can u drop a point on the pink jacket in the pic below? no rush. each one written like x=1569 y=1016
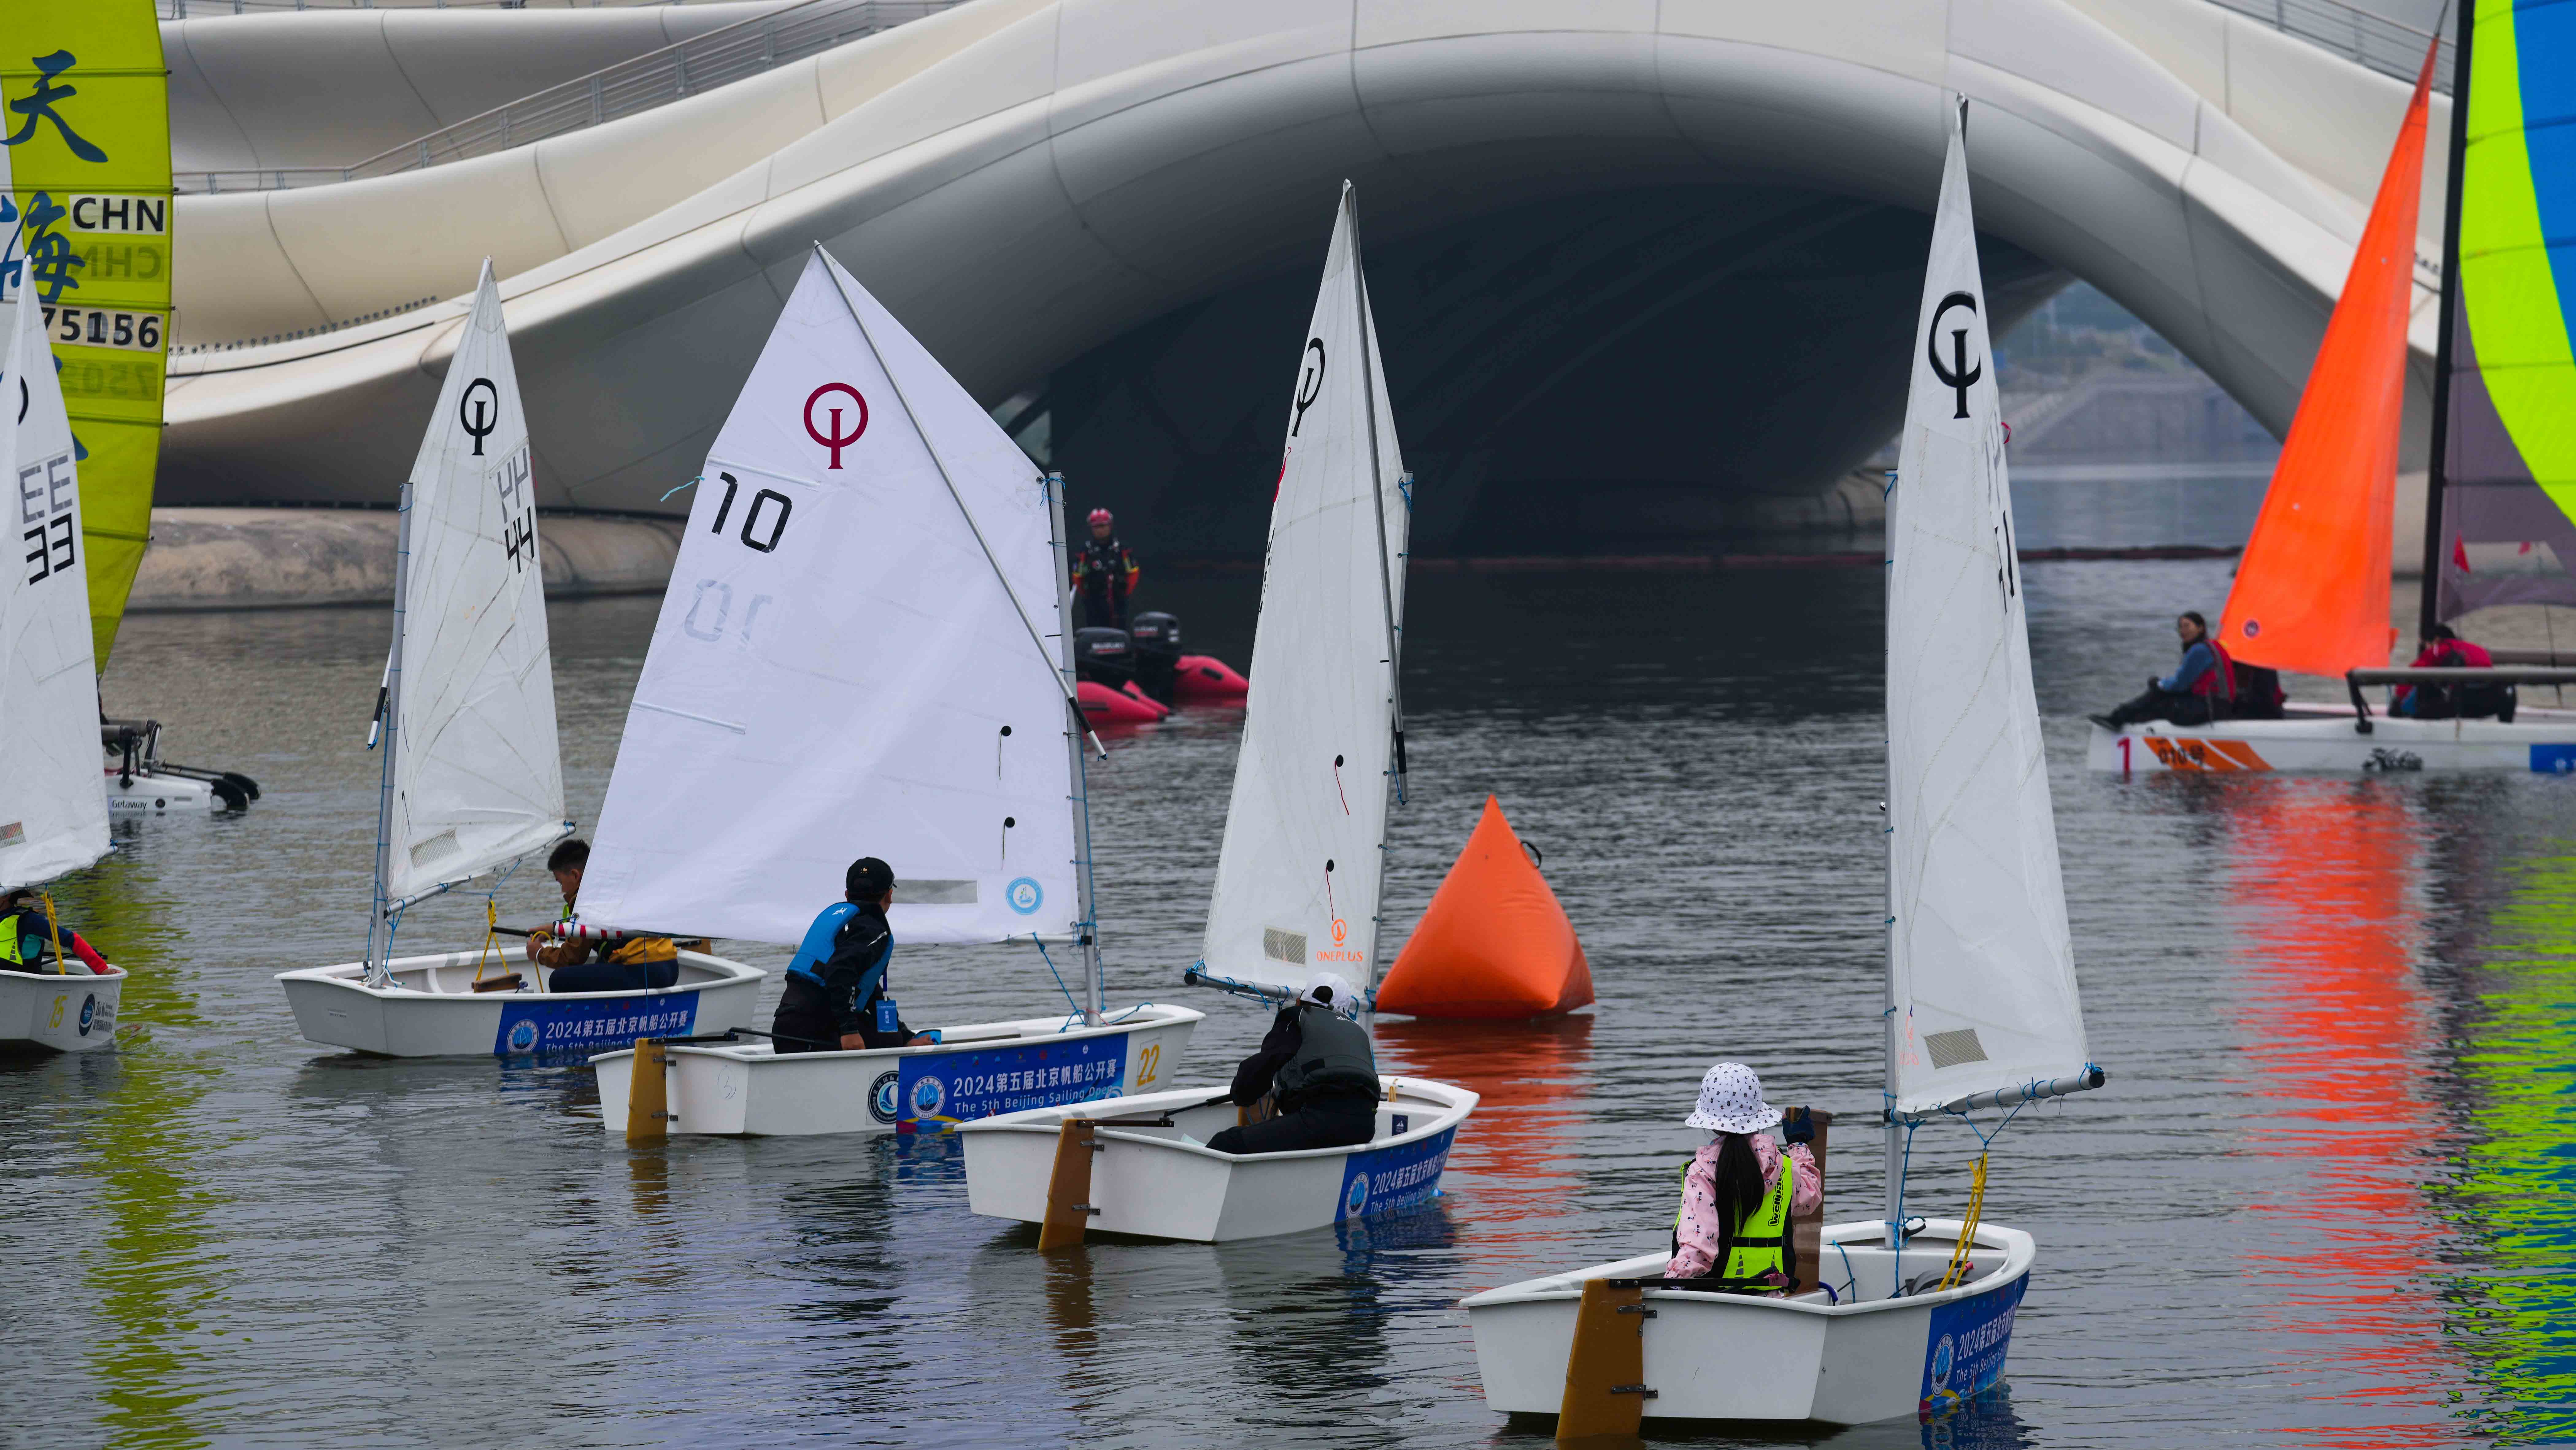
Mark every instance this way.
x=1701 y=1227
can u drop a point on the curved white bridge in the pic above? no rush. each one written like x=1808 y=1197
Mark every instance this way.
x=1628 y=256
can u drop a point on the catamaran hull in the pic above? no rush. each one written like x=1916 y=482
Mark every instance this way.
x=1731 y=1357
x=753 y=1091
x=1164 y=1182
x=433 y=1011
x=48 y=1012
x=2538 y=740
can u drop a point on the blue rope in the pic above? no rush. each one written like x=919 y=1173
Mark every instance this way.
x=1059 y=977
x=1851 y=1276
x=692 y=483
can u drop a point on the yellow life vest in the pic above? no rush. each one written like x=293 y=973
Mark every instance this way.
x=1761 y=1244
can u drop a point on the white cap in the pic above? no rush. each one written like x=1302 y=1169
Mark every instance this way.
x=1326 y=989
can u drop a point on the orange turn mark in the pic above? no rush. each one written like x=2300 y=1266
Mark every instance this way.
x=2209 y=755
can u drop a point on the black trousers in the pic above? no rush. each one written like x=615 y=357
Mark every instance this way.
x=1331 y=1123
x=613 y=977
x=2162 y=705
x=805 y=1013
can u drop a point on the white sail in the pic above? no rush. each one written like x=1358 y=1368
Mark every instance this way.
x=477 y=777
x=53 y=786
x=1981 y=968
x=838 y=670
x=1297 y=879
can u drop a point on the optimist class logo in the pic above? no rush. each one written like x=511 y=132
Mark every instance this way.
x=836 y=440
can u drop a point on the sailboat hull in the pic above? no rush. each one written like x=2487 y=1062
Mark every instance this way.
x=147 y=794
x=753 y=1091
x=2323 y=739
x=53 y=1013
x=432 y=1010
x=1866 y=1358
x=1164 y=1182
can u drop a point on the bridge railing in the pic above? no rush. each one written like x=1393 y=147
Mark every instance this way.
x=702 y=63
x=2390 y=47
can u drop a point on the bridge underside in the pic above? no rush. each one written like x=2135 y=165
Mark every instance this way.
x=1618 y=372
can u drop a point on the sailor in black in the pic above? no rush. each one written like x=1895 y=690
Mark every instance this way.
x=840 y=972
x=1318 y=1069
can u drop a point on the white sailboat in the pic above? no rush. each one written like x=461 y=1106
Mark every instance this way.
x=53 y=805
x=1297 y=881
x=472 y=776
x=864 y=653
x=1903 y=1316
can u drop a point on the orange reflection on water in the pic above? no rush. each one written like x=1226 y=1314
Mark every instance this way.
x=2321 y=881
x=1519 y=1148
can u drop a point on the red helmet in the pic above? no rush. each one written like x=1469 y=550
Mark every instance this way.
x=1101 y=516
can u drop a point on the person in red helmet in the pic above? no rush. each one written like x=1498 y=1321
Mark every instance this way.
x=1104 y=571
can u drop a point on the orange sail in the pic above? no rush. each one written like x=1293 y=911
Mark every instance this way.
x=1493 y=944
x=2312 y=592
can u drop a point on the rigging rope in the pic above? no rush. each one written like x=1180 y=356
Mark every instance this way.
x=1957 y=1272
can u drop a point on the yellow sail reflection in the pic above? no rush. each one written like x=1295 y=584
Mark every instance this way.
x=2518 y=1193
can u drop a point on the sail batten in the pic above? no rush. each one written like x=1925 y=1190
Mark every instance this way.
x=53 y=790
x=1298 y=877
x=844 y=663
x=477 y=772
x=1980 y=960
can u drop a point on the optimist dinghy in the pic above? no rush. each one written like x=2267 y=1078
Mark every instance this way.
x=2312 y=592
x=1902 y=1315
x=53 y=806
x=472 y=777
x=1297 y=880
x=863 y=653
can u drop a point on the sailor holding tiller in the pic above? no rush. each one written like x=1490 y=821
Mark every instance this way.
x=1317 y=1066
x=837 y=995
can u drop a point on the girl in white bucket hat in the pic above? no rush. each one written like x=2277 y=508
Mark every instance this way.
x=1734 y=1219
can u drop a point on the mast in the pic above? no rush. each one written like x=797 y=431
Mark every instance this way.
x=1895 y=1165
x=1086 y=921
x=380 y=957
x=2434 y=473
x=1394 y=783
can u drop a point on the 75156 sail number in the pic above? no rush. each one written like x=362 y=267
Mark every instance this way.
x=106 y=327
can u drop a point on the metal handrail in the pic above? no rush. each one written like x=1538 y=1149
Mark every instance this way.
x=675 y=72
x=2390 y=47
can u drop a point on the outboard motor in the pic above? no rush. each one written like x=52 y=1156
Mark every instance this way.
x=1106 y=657
x=1158 y=653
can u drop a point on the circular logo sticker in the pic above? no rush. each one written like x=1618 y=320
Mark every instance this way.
x=1357 y=1198
x=1944 y=1357
x=1024 y=895
x=89 y=1011
x=2253 y=627
x=883 y=1097
x=523 y=1036
x=928 y=1096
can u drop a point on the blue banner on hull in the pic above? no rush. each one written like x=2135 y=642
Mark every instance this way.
x=936 y=1090
x=543 y=1026
x=1389 y=1180
x=2553 y=759
x=1963 y=1351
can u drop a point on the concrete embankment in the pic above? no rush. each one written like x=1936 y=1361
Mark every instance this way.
x=278 y=558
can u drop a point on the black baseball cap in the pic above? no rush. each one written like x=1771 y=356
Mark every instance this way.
x=869 y=879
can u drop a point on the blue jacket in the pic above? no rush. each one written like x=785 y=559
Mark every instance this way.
x=846 y=953
x=2196 y=662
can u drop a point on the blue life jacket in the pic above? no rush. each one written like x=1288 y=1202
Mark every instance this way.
x=816 y=949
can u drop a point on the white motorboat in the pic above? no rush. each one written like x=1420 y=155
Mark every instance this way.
x=2312 y=592
x=53 y=813
x=1848 y=1353
x=428 y=1007
x=748 y=1089
x=1897 y=1316
x=871 y=586
x=1141 y=1165
x=1298 y=877
x=140 y=783
x=473 y=776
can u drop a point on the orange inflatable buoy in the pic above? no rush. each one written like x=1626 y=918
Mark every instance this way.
x=1493 y=943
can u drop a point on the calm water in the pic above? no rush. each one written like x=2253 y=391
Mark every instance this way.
x=2326 y=1199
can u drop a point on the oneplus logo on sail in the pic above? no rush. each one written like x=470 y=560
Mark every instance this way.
x=836 y=440
x=1960 y=374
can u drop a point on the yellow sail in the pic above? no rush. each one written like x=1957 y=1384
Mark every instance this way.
x=85 y=112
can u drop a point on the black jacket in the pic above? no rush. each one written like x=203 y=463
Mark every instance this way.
x=1279 y=1047
x=856 y=975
